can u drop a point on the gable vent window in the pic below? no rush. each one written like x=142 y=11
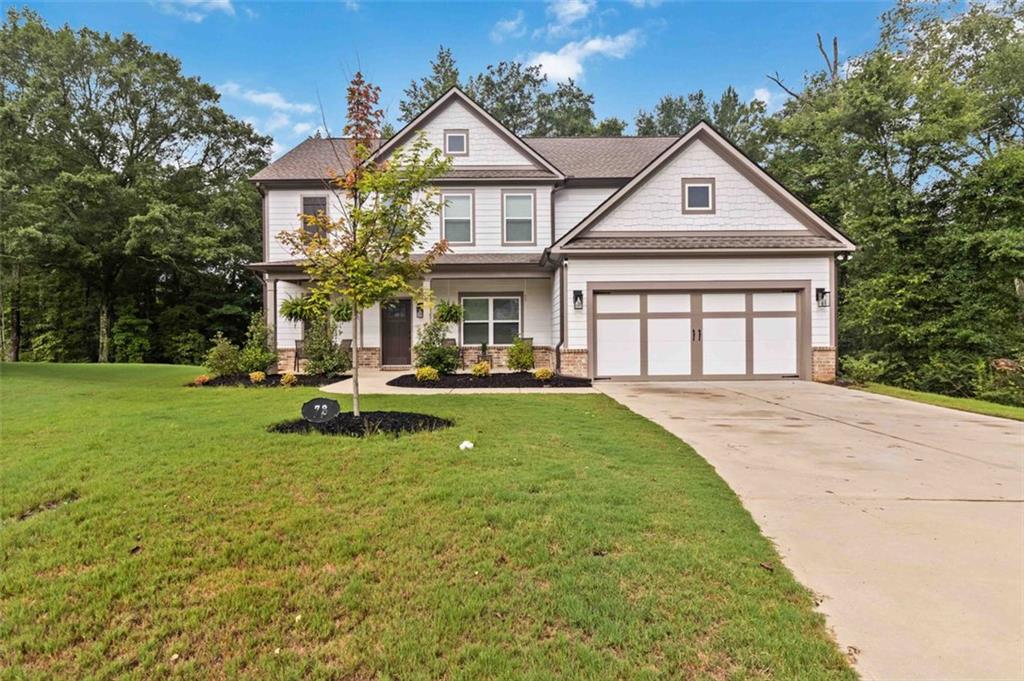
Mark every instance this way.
x=312 y=206
x=699 y=195
x=456 y=142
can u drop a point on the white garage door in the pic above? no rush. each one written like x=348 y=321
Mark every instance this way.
x=705 y=335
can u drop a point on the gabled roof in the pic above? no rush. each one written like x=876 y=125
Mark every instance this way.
x=317 y=158
x=445 y=100
x=731 y=154
x=600 y=157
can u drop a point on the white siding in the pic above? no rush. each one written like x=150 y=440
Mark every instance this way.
x=582 y=271
x=486 y=147
x=487 y=222
x=537 y=313
x=287 y=331
x=657 y=204
x=574 y=204
x=284 y=206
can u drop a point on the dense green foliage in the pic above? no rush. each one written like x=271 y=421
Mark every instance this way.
x=520 y=355
x=258 y=353
x=431 y=350
x=591 y=544
x=324 y=355
x=127 y=218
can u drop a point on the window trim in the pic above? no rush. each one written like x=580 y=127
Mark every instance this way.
x=465 y=136
x=699 y=182
x=302 y=205
x=471 y=193
x=490 y=296
x=532 y=193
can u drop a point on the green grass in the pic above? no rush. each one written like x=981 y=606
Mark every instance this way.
x=962 y=403
x=577 y=540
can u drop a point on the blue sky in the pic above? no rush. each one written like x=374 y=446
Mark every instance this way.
x=277 y=63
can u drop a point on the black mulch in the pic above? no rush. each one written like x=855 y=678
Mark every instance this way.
x=518 y=379
x=272 y=380
x=368 y=423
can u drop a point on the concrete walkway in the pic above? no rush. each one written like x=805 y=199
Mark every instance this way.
x=375 y=382
x=906 y=518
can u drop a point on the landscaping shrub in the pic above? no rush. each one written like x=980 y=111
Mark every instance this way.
x=201 y=379
x=289 y=380
x=543 y=374
x=481 y=369
x=324 y=355
x=432 y=351
x=427 y=374
x=257 y=354
x=257 y=377
x=1001 y=380
x=447 y=312
x=130 y=338
x=520 y=355
x=186 y=348
x=863 y=369
x=224 y=358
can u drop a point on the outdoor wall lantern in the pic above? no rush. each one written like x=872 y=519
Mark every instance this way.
x=577 y=300
x=823 y=297
x=419 y=311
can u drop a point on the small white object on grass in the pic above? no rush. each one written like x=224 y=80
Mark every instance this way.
x=466 y=444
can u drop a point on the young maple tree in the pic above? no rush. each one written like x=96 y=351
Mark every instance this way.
x=366 y=255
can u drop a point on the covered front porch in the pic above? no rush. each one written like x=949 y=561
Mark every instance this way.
x=502 y=300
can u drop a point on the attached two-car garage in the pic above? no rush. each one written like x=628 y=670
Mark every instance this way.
x=664 y=331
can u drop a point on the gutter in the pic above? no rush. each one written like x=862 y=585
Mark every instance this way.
x=562 y=314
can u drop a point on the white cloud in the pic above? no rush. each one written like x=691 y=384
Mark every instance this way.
x=773 y=101
x=352 y=5
x=565 y=17
x=276 y=121
x=509 y=28
x=270 y=98
x=195 y=10
x=567 y=62
x=303 y=128
x=640 y=4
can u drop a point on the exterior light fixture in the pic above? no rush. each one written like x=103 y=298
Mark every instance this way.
x=419 y=311
x=577 y=300
x=823 y=297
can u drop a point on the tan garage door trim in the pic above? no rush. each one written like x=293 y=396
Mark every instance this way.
x=803 y=315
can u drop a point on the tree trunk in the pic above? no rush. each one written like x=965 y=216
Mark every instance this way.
x=16 y=314
x=356 y=319
x=104 y=351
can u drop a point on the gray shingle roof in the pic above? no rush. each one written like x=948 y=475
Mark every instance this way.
x=446 y=259
x=590 y=157
x=577 y=157
x=699 y=241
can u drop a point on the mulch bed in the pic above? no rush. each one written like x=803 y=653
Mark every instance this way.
x=368 y=423
x=272 y=381
x=518 y=379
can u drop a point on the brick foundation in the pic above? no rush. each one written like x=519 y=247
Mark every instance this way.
x=823 y=365
x=286 y=362
x=543 y=357
x=574 y=363
x=369 y=358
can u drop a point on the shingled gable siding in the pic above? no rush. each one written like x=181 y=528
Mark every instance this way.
x=656 y=204
x=486 y=146
x=585 y=270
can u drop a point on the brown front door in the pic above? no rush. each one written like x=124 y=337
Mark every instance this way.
x=396 y=332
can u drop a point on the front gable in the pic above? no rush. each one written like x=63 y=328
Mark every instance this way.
x=488 y=144
x=745 y=201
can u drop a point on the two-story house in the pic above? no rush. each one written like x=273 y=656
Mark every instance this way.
x=630 y=257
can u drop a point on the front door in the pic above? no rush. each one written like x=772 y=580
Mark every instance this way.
x=396 y=332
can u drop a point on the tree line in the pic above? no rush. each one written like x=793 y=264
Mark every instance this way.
x=126 y=217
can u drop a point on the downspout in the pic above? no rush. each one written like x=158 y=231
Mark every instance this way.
x=562 y=315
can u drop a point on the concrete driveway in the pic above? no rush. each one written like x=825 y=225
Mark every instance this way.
x=906 y=519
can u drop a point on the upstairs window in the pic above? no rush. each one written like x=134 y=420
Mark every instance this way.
x=699 y=195
x=494 y=320
x=311 y=207
x=457 y=217
x=517 y=217
x=456 y=142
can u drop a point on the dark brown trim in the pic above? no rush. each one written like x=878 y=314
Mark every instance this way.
x=802 y=314
x=610 y=234
x=534 y=227
x=455 y=131
x=698 y=182
x=472 y=214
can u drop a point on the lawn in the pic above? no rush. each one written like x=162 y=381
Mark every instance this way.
x=962 y=403
x=150 y=529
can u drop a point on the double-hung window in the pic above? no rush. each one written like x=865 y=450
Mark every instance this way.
x=457 y=217
x=517 y=216
x=495 y=320
x=311 y=207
